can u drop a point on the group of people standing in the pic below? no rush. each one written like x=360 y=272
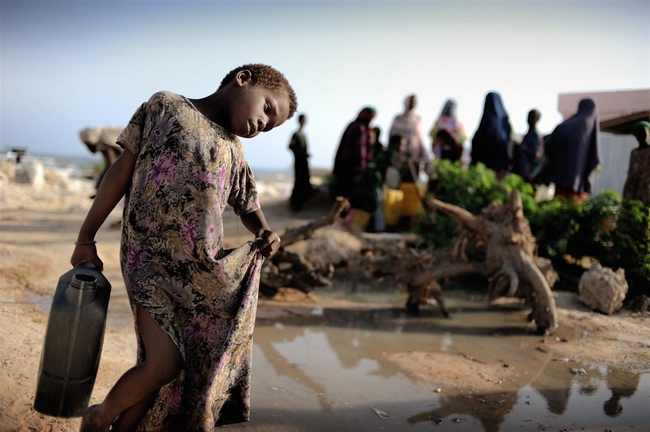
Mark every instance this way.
x=362 y=165
x=569 y=157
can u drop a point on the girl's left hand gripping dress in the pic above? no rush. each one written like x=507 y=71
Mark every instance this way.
x=187 y=170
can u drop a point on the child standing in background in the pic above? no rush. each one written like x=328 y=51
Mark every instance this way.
x=368 y=195
x=302 y=188
x=194 y=303
x=529 y=155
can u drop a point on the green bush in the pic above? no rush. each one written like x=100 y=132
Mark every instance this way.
x=612 y=232
x=471 y=188
x=628 y=246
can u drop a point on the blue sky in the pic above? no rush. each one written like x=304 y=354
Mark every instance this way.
x=65 y=65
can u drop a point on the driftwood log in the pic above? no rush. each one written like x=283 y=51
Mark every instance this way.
x=290 y=270
x=497 y=244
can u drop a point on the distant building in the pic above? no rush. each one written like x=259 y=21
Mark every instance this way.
x=618 y=111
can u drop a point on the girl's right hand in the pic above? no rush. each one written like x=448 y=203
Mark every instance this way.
x=86 y=253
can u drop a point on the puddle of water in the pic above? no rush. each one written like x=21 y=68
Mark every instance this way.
x=330 y=372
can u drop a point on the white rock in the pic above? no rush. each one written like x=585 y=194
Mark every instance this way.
x=602 y=289
x=35 y=173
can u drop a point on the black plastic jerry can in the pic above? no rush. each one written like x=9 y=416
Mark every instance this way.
x=73 y=342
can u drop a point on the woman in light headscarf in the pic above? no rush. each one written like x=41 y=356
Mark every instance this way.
x=492 y=140
x=409 y=126
x=448 y=134
x=573 y=152
x=414 y=159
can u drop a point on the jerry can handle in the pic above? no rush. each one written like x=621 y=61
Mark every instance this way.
x=88 y=265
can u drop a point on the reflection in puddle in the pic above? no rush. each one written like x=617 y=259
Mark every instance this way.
x=333 y=372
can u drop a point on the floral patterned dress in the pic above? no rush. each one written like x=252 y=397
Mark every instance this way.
x=187 y=170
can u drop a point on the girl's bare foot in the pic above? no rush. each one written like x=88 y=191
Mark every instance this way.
x=91 y=421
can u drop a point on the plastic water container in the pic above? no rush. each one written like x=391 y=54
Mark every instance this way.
x=73 y=342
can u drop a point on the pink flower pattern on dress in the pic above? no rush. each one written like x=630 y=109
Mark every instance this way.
x=188 y=232
x=138 y=256
x=135 y=287
x=163 y=170
x=201 y=327
x=206 y=178
x=174 y=396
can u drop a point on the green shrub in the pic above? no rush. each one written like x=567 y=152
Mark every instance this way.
x=553 y=224
x=628 y=246
x=471 y=188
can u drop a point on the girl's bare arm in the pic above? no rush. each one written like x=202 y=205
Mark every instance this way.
x=255 y=222
x=111 y=190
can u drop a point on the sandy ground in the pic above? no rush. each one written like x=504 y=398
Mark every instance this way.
x=38 y=227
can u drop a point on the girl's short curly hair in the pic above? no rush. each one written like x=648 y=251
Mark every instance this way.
x=268 y=77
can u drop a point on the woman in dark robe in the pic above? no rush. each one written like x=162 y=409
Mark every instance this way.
x=491 y=142
x=302 y=188
x=352 y=155
x=573 y=153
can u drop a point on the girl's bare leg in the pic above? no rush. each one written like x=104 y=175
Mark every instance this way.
x=131 y=418
x=161 y=365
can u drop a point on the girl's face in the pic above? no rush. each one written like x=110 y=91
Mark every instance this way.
x=257 y=109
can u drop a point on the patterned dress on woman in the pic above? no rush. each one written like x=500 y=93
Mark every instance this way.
x=452 y=134
x=637 y=183
x=187 y=170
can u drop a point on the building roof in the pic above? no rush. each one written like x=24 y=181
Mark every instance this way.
x=624 y=125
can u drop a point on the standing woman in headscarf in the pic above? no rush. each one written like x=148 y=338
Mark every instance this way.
x=448 y=134
x=302 y=188
x=637 y=184
x=573 y=152
x=413 y=159
x=409 y=125
x=491 y=142
x=353 y=154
